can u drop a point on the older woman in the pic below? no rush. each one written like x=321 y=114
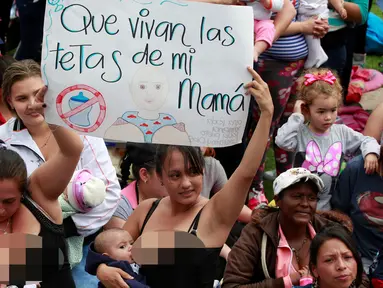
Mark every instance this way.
x=273 y=249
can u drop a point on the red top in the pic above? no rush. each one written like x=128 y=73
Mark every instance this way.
x=2 y=119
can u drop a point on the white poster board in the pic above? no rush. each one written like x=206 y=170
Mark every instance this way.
x=157 y=71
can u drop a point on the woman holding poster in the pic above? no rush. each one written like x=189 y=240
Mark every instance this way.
x=31 y=137
x=29 y=205
x=180 y=170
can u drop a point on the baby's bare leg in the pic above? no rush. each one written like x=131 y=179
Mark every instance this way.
x=259 y=48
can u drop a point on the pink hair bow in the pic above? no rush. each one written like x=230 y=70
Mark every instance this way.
x=328 y=77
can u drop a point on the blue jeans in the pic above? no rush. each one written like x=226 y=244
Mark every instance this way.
x=82 y=278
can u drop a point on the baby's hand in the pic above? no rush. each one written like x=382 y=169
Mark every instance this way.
x=343 y=13
x=371 y=163
x=304 y=272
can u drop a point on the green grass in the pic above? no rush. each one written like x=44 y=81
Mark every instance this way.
x=376 y=10
x=372 y=62
x=270 y=165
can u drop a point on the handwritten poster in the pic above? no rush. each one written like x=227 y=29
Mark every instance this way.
x=157 y=71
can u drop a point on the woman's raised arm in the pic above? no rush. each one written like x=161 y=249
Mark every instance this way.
x=49 y=180
x=228 y=202
x=284 y=18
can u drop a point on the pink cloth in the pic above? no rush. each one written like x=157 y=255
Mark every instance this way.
x=305 y=281
x=130 y=193
x=2 y=119
x=284 y=265
x=362 y=81
x=354 y=117
x=264 y=30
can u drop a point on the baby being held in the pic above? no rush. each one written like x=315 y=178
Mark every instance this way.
x=318 y=9
x=115 y=247
x=264 y=30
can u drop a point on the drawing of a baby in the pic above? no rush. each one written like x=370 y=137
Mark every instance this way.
x=149 y=90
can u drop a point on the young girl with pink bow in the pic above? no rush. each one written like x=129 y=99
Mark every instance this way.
x=319 y=145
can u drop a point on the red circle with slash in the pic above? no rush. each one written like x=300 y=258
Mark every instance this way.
x=97 y=99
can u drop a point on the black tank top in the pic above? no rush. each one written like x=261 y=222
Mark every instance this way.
x=199 y=272
x=54 y=250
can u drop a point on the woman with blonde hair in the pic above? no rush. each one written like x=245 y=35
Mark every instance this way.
x=29 y=134
x=29 y=203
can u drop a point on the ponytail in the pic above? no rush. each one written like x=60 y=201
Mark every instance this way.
x=137 y=156
x=125 y=169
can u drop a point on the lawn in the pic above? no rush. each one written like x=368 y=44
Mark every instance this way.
x=372 y=62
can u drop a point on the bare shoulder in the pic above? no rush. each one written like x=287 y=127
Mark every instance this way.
x=23 y=221
x=145 y=205
x=143 y=209
x=136 y=219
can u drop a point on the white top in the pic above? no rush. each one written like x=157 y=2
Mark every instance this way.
x=309 y=8
x=94 y=157
x=261 y=13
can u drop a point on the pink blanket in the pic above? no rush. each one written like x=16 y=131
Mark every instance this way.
x=362 y=81
x=354 y=117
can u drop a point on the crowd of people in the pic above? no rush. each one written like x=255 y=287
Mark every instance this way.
x=182 y=216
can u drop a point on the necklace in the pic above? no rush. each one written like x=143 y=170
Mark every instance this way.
x=297 y=251
x=46 y=142
x=6 y=227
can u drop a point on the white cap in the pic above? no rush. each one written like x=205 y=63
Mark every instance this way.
x=294 y=175
x=85 y=191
